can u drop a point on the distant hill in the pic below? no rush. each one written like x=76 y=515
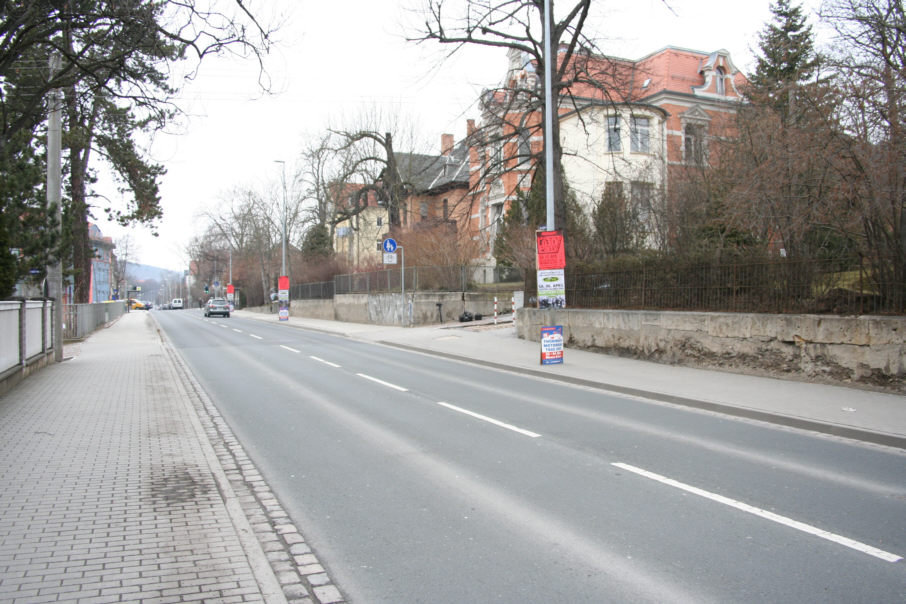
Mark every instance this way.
x=146 y=272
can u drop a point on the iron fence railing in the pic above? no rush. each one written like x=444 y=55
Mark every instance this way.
x=322 y=290
x=848 y=285
x=417 y=278
x=837 y=286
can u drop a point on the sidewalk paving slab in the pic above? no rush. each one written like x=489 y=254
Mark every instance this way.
x=120 y=482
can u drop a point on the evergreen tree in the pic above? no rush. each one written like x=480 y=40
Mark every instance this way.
x=317 y=244
x=25 y=220
x=787 y=56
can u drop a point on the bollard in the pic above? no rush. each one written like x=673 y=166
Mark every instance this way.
x=513 y=304
x=495 y=310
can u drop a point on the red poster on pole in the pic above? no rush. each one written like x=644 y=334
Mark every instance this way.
x=283 y=282
x=230 y=289
x=551 y=251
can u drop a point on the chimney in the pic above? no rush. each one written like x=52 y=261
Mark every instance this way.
x=446 y=144
x=470 y=127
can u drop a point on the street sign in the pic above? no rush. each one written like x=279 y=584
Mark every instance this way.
x=389 y=258
x=389 y=245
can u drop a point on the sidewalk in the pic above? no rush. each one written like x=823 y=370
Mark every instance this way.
x=120 y=482
x=850 y=412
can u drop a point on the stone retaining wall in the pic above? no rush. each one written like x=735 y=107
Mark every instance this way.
x=866 y=350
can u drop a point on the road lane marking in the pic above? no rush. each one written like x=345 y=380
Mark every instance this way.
x=801 y=526
x=383 y=383
x=290 y=349
x=490 y=420
x=237 y=330
x=251 y=335
x=323 y=361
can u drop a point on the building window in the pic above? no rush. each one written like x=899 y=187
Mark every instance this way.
x=525 y=145
x=613 y=134
x=638 y=135
x=694 y=151
x=613 y=190
x=642 y=196
x=423 y=211
x=380 y=220
x=446 y=210
x=721 y=89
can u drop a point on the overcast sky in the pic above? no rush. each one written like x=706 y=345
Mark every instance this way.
x=338 y=58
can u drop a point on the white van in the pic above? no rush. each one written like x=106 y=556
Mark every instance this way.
x=176 y=303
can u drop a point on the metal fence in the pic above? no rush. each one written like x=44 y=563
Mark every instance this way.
x=834 y=286
x=417 y=278
x=80 y=320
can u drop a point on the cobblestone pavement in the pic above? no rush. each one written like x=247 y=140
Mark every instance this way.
x=119 y=482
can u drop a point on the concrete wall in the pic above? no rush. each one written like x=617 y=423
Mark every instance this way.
x=386 y=309
x=869 y=350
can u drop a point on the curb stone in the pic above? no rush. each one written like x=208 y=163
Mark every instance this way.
x=300 y=574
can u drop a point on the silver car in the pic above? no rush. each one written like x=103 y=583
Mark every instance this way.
x=217 y=306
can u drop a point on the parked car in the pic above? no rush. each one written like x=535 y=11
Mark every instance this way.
x=176 y=303
x=217 y=306
x=136 y=304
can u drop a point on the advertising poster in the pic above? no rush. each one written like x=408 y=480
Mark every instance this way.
x=551 y=289
x=551 y=253
x=283 y=296
x=551 y=344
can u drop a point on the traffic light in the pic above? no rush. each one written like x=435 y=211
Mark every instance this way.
x=206 y=290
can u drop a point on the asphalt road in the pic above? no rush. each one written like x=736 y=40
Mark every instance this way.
x=420 y=479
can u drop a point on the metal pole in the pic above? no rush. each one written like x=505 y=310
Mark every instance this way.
x=54 y=196
x=283 y=266
x=549 y=58
x=403 y=280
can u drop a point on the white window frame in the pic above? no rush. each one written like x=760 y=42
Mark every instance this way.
x=614 y=144
x=640 y=134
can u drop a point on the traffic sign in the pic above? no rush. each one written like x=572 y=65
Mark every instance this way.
x=389 y=245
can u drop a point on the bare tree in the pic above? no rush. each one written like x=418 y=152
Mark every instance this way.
x=512 y=113
x=125 y=250
x=870 y=59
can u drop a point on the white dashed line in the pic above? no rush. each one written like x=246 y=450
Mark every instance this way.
x=490 y=420
x=237 y=330
x=383 y=383
x=251 y=335
x=323 y=361
x=800 y=526
x=290 y=349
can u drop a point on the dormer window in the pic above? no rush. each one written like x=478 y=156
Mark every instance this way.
x=720 y=74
